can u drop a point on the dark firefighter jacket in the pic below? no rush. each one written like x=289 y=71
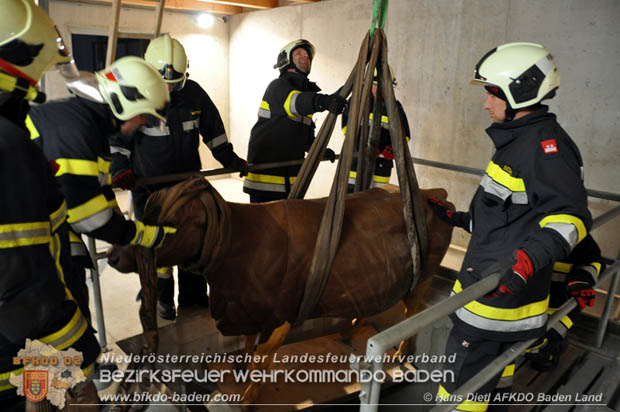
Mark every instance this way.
x=73 y=134
x=156 y=150
x=383 y=166
x=284 y=131
x=35 y=301
x=531 y=198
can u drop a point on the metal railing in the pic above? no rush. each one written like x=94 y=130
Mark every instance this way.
x=378 y=344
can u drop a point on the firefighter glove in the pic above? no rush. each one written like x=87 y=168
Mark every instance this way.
x=515 y=278
x=125 y=179
x=332 y=102
x=329 y=155
x=150 y=236
x=388 y=153
x=239 y=165
x=459 y=219
x=579 y=284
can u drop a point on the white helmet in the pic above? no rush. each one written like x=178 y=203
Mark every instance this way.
x=132 y=87
x=168 y=56
x=526 y=74
x=29 y=45
x=285 y=59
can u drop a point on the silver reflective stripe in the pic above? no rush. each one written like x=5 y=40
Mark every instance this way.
x=351 y=180
x=93 y=222
x=545 y=64
x=471 y=225
x=60 y=218
x=266 y=114
x=155 y=131
x=558 y=277
x=117 y=149
x=268 y=187
x=69 y=334
x=293 y=104
x=582 y=173
x=491 y=186
x=591 y=270
x=191 y=125
x=305 y=120
x=506 y=381
x=217 y=141
x=24 y=234
x=567 y=230
x=103 y=178
x=501 y=325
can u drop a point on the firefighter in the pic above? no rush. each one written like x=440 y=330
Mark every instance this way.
x=285 y=129
x=529 y=211
x=574 y=277
x=73 y=134
x=156 y=151
x=35 y=301
x=385 y=154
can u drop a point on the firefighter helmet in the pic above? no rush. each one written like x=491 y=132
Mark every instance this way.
x=132 y=87
x=526 y=74
x=285 y=59
x=168 y=56
x=29 y=42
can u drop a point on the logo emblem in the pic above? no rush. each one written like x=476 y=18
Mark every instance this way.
x=36 y=385
x=549 y=146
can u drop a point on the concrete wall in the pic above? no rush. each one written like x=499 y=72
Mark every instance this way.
x=207 y=49
x=434 y=45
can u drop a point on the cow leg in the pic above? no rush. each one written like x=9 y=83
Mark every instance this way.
x=250 y=340
x=414 y=303
x=264 y=353
x=347 y=334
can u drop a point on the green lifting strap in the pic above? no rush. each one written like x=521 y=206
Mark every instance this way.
x=379 y=13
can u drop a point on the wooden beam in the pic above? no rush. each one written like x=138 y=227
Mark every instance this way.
x=304 y=1
x=254 y=4
x=171 y=5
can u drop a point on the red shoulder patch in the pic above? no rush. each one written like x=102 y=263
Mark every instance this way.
x=549 y=146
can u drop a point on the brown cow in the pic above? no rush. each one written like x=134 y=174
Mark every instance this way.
x=263 y=253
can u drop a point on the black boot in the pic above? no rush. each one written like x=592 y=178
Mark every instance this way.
x=192 y=290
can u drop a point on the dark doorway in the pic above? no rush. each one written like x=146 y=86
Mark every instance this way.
x=89 y=50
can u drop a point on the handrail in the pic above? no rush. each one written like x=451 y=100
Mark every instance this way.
x=379 y=343
x=475 y=382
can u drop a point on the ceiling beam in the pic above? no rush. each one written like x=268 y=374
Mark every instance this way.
x=254 y=4
x=174 y=5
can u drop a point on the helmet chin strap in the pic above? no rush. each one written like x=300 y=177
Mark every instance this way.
x=510 y=113
x=292 y=66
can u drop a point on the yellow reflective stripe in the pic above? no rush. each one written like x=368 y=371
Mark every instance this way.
x=509 y=370
x=287 y=103
x=24 y=234
x=112 y=204
x=264 y=105
x=381 y=179
x=567 y=322
x=255 y=177
x=59 y=216
x=562 y=267
x=82 y=167
x=55 y=251
x=77 y=316
x=384 y=118
x=496 y=173
x=344 y=130
x=597 y=266
x=490 y=312
x=88 y=370
x=467 y=405
x=87 y=209
x=353 y=174
x=34 y=133
x=567 y=219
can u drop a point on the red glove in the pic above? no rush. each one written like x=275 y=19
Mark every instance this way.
x=387 y=153
x=125 y=179
x=579 y=284
x=515 y=278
